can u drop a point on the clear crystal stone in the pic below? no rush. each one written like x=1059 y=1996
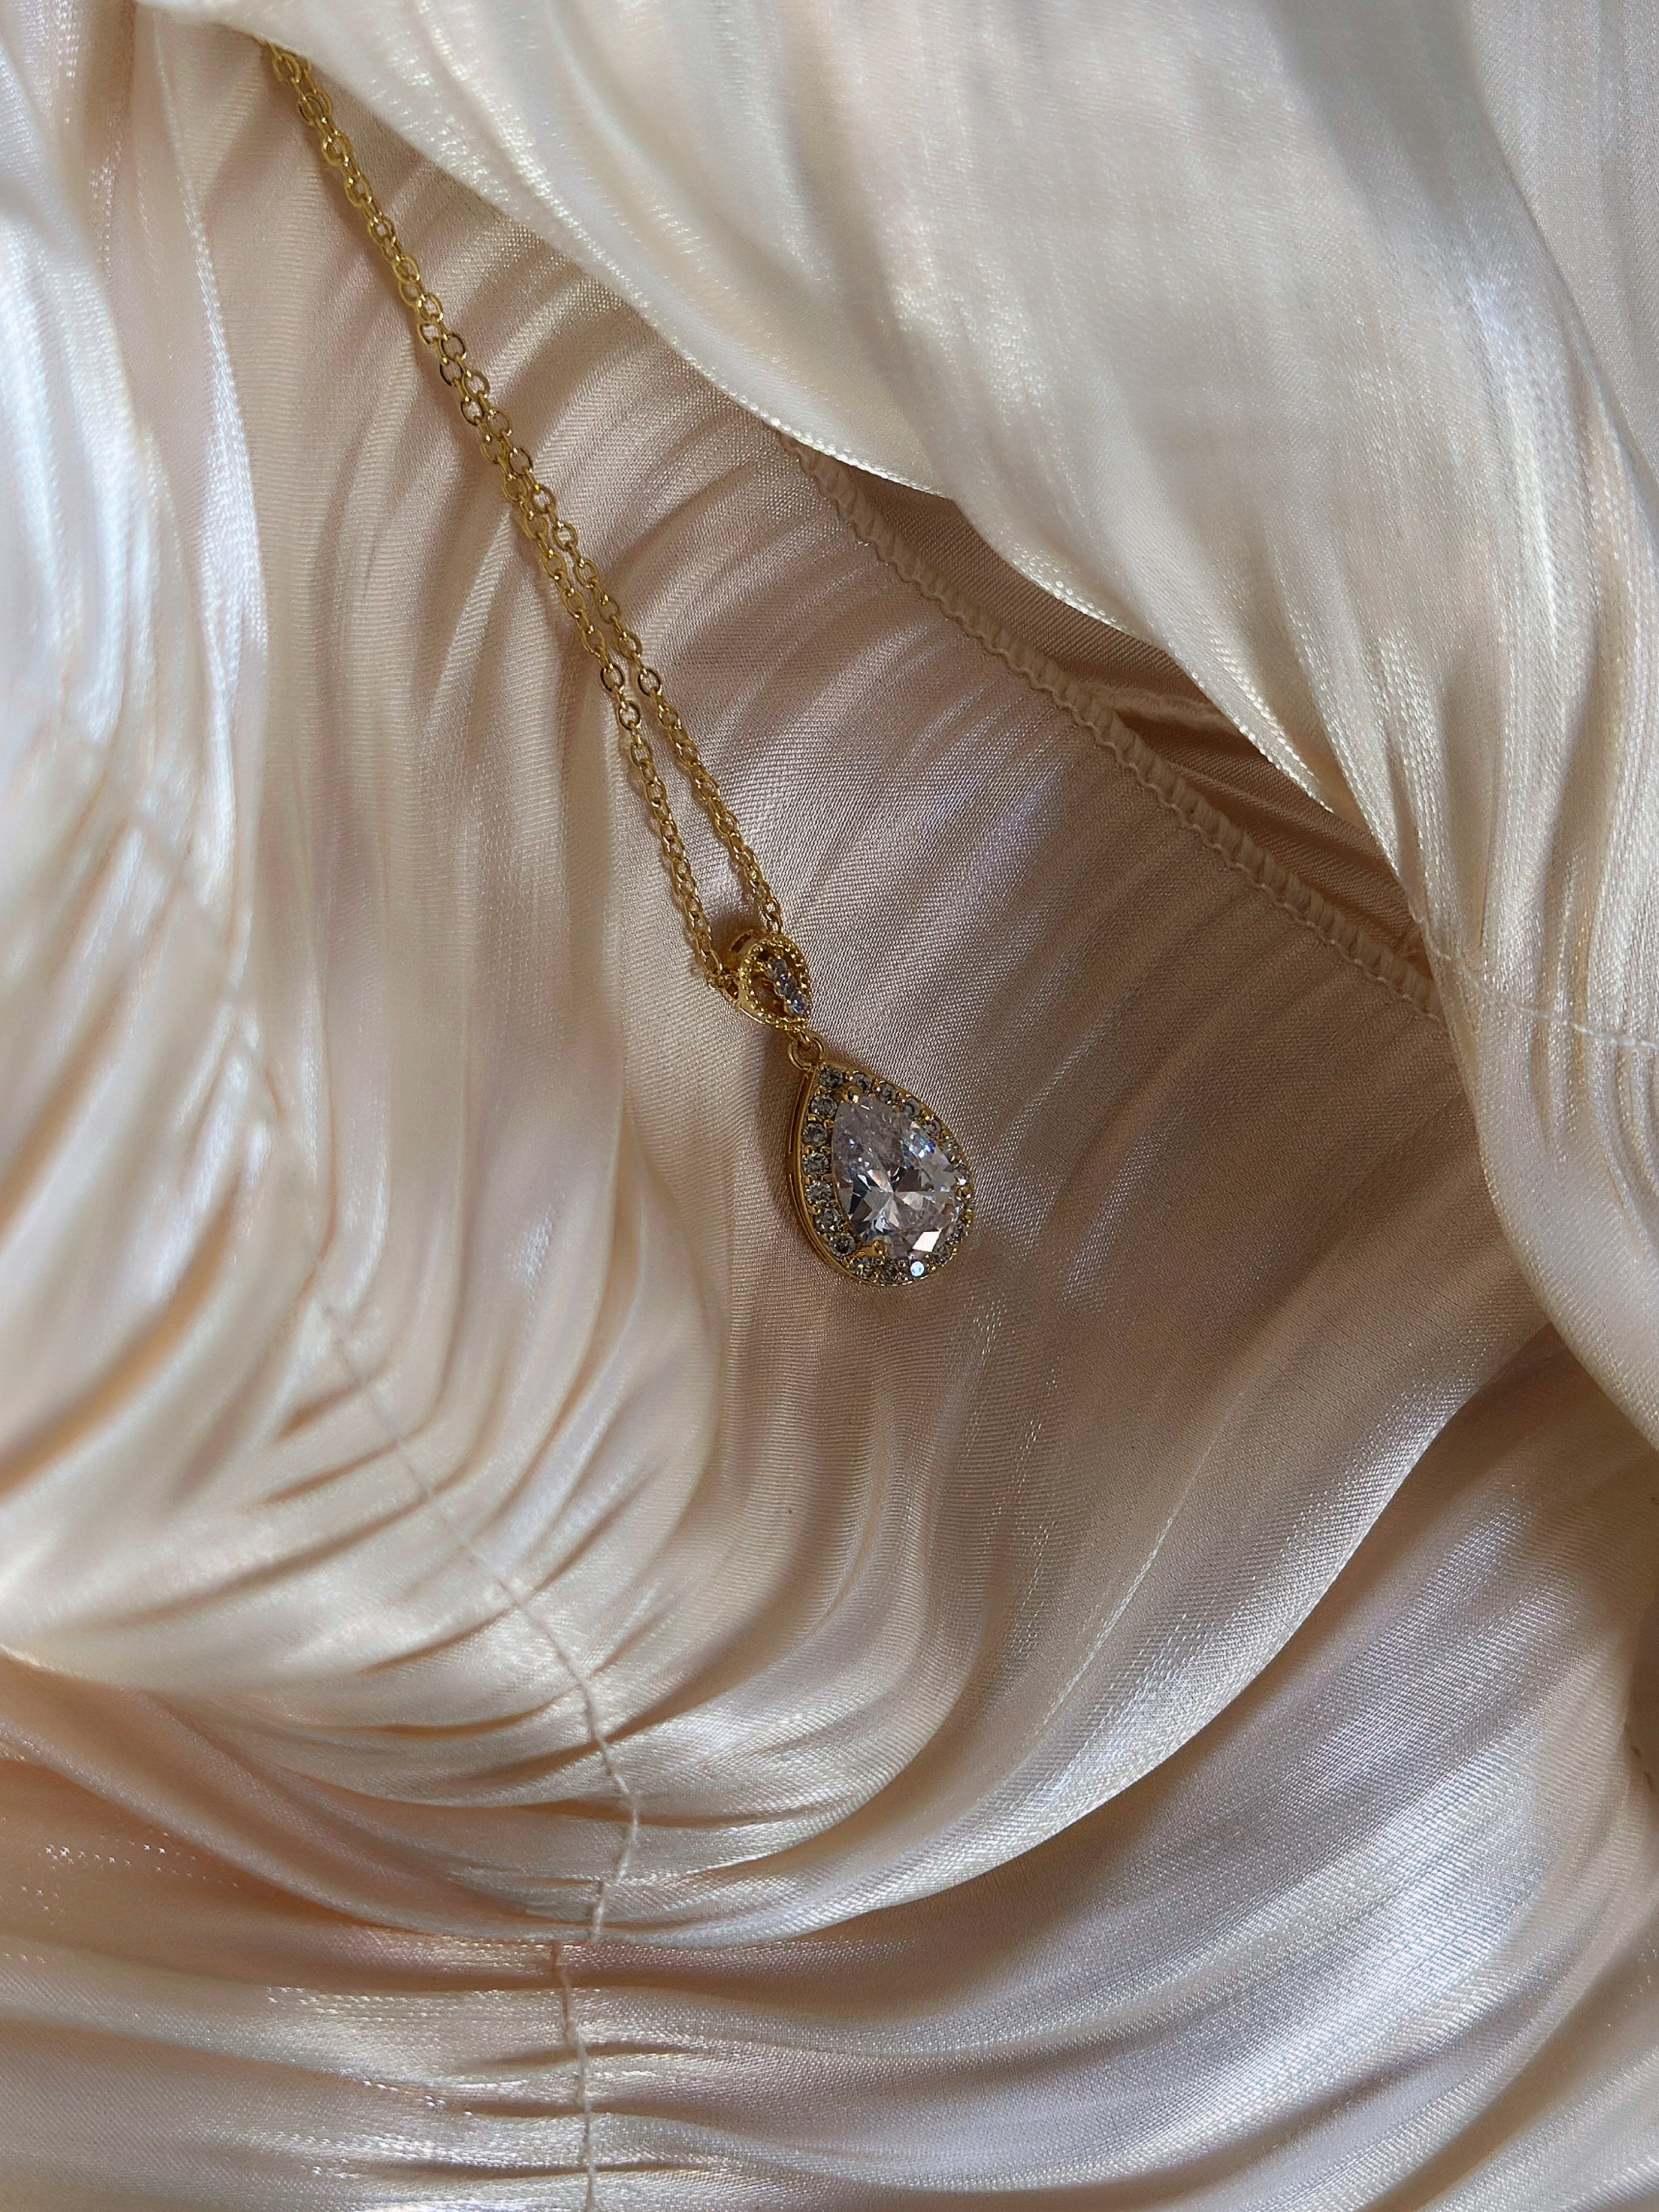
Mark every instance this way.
x=897 y=1185
x=786 y=983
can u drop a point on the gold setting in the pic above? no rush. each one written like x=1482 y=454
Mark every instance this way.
x=769 y=979
x=827 y=1229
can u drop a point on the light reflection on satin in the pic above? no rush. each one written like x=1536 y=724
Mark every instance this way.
x=525 y=1690
x=1314 y=341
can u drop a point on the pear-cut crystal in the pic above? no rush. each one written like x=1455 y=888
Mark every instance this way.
x=897 y=1196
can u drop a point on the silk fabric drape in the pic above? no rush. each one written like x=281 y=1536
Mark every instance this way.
x=1316 y=341
x=521 y=1689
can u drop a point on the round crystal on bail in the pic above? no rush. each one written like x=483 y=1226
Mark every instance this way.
x=791 y=996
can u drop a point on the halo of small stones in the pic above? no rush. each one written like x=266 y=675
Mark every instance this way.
x=831 y=1228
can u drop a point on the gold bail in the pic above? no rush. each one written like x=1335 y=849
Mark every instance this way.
x=768 y=978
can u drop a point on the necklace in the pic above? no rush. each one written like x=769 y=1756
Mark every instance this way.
x=882 y=1188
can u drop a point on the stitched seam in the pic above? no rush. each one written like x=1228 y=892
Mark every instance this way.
x=533 y=1619
x=578 y=2042
x=1557 y=1016
x=246 y=1039
x=1157 y=706
x=1231 y=845
x=520 y=1604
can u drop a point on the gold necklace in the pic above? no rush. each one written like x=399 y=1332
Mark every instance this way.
x=881 y=1186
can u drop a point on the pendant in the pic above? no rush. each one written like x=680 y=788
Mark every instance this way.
x=882 y=1187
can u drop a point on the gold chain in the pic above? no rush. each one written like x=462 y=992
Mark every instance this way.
x=765 y=973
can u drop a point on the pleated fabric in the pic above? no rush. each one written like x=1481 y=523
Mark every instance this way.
x=520 y=1687
x=1314 y=341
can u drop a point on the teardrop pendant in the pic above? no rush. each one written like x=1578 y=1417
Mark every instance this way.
x=882 y=1187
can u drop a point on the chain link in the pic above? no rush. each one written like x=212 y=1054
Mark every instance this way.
x=632 y=685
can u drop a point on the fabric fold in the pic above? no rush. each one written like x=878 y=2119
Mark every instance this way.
x=521 y=1686
x=1314 y=346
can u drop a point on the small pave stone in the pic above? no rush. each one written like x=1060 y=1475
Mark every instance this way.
x=785 y=982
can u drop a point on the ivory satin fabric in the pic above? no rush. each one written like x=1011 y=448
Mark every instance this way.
x=1316 y=341
x=520 y=1688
